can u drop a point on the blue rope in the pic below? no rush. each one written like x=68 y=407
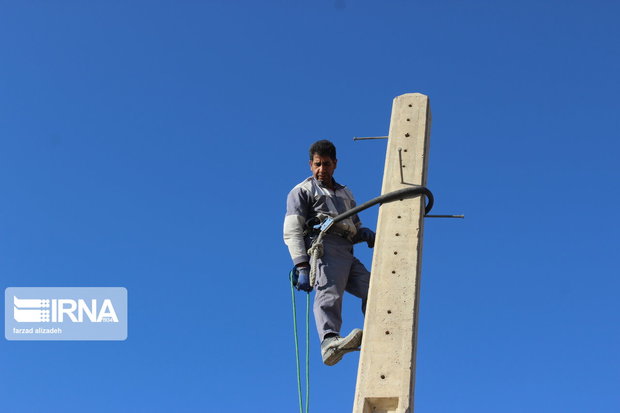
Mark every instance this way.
x=301 y=410
x=307 y=352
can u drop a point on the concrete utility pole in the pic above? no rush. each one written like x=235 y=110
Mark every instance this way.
x=386 y=373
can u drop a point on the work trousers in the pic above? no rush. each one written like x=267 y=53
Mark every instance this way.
x=338 y=271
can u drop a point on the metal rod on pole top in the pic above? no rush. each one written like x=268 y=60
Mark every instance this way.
x=369 y=138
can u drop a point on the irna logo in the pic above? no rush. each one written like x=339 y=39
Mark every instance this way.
x=28 y=310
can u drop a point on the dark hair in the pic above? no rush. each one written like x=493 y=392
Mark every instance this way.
x=323 y=148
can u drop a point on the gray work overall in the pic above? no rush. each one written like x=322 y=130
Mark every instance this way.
x=338 y=271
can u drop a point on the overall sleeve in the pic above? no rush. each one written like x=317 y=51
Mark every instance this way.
x=352 y=204
x=297 y=210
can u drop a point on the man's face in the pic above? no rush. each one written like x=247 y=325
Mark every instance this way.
x=322 y=168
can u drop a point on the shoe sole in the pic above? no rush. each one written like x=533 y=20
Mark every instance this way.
x=336 y=356
x=351 y=343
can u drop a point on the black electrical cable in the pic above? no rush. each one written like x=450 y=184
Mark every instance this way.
x=399 y=194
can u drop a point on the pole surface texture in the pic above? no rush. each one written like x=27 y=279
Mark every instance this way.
x=386 y=373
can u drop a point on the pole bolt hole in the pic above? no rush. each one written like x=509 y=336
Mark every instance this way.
x=389 y=311
x=407 y=135
x=387 y=333
x=395 y=252
x=383 y=377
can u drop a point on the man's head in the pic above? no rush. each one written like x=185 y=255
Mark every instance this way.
x=323 y=161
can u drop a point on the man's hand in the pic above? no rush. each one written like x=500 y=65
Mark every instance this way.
x=367 y=235
x=303 y=279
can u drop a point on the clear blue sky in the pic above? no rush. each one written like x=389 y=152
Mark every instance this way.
x=151 y=145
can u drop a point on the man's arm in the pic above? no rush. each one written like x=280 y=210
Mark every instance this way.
x=297 y=209
x=363 y=234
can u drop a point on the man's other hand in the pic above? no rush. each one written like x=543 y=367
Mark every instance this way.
x=367 y=235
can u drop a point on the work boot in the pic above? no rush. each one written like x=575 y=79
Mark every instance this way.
x=333 y=348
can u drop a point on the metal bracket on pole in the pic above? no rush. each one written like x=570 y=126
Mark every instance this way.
x=402 y=179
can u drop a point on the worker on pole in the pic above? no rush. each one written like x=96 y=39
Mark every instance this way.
x=309 y=203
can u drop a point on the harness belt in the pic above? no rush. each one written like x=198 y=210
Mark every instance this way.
x=312 y=229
